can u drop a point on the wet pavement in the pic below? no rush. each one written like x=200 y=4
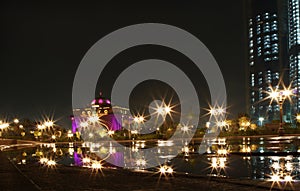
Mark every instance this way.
x=37 y=177
x=11 y=178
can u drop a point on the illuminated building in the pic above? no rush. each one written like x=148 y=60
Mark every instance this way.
x=267 y=57
x=294 y=50
x=102 y=108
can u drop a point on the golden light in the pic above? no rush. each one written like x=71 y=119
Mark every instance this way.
x=289 y=166
x=70 y=134
x=276 y=165
x=110 y=132
x=274 y=94
x=213 y=111
x=214 y=162
x=16 y=121
x=41 y=127
x=221 y=110
x=71 y=151
x=275 y=178
x=160 y=110
x=4 y=126
x=166 y=170
x=185 y=128
x=163 y=109
x=222 y=164
x=185 y=149
x=53 y=137
x=298 y=117
x=167 y=109
x=280 y=95
x=93 y=119
x=288 y=178
x=51 y=163
x=43 y=160
x=136 y=119
x=86 y=160
x=48 y=123
x=170 y=170
x=141 y=162
x=287 y=92
x=84 y=124
x=141 y=118
x=96 y=165
x=162 y=170
x=222 y=152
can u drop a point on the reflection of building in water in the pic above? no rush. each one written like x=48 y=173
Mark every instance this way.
x=114 y=118
x=284 y=168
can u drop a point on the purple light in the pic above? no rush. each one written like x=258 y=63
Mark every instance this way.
x=295 y=91
x=107 y=101
x=94 y=101
x=100 y=101
x=77 y=159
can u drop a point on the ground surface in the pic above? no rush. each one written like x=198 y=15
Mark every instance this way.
x=35 y=177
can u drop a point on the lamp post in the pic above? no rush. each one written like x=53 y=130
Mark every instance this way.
x=261 y=120
x=298 y=118
x=280 y=96
x=138 y=121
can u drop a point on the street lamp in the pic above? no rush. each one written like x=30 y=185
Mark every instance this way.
x=138 y=120
x=279 y=96
x=298 y=118
x=261 y=119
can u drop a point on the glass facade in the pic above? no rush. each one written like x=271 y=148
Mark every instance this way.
x=294 y=53
x=263 y=54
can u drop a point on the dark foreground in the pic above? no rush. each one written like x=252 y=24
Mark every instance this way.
x=35 y=177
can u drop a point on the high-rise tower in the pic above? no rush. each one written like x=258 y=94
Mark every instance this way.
x=294 y=51
x=266 y=56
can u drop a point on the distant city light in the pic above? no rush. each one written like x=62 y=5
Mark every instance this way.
x=16 y=121
x=48 y=123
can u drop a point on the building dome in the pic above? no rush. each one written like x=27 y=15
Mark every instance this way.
x=102 y=105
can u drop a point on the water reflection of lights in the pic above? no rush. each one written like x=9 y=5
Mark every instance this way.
x=134 y=149
x=43 y=160
x=185 y=149
x=165 y=143
x=86 y=160
x=140 y=144
x=71 y=151
x=217 y=165
x=51 y=163
x=141 y=162
x=96 y=165
x=165 y=170
x=246 y=149
x=222 y=151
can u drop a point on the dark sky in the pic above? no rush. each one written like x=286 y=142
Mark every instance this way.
x=42 y=45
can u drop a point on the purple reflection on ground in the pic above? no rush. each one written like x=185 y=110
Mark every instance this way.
x=117 y=158
x=77 y=159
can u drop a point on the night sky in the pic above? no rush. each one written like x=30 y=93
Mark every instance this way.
x=42 y=45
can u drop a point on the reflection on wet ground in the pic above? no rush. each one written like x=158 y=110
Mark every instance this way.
x=274 y=159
